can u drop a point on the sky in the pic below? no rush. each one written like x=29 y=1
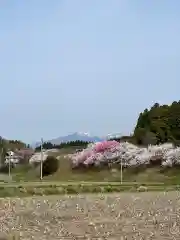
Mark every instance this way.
x=85 y=65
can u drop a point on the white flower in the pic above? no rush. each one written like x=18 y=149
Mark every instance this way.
x=128 y=154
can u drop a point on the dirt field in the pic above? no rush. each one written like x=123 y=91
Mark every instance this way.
x=112 y=216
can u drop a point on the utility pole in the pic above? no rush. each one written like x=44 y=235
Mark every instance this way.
x=9 y=167
x=121 y=171
x=1 y=157
x=1 y=151
x=41 y=163
x=9 y=163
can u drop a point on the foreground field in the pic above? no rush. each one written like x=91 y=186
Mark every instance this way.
x=151 y=215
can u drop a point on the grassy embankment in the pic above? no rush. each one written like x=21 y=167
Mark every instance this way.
x=25 y=180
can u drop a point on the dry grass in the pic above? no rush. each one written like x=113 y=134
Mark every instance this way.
x=113 y=216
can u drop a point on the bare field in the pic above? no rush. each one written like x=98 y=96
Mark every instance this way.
x=148 y=215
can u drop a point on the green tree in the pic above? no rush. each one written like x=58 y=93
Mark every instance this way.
x=162 y=122
x=50 y=165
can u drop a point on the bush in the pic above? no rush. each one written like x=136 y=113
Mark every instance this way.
x=50 y=165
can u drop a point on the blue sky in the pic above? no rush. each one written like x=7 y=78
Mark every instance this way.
x=85 y=65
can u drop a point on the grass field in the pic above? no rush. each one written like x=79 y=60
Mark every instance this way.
x=25 y=189
x=109 y=216
x=66 y=174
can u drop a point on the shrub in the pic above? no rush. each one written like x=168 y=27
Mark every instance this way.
x=108 y=188
x=72 y=190
x=38 y=191
x=50 y=165
x=51 y=191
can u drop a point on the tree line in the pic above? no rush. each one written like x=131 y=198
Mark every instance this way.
x=160 y=124
x=11 y=145
x=49 y=145
x=157 y=125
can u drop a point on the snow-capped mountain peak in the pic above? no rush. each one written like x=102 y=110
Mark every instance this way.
x=84 y=134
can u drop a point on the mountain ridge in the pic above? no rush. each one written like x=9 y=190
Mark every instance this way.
x=81 y=136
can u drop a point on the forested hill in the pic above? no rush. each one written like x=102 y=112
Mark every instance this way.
x=160 y=124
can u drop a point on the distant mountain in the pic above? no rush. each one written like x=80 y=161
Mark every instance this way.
x=76 y=136
x=73 y=137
